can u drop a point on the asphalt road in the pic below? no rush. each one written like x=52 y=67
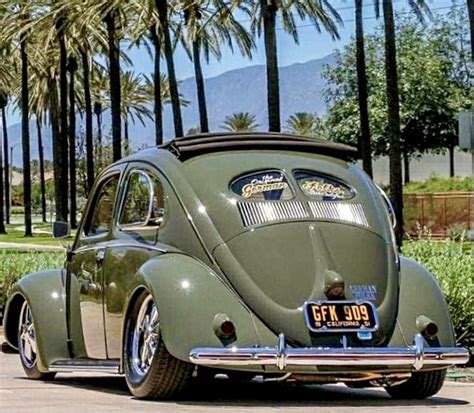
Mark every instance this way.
x=97 y=393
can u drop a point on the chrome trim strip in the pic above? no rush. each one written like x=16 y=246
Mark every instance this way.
x=339 y=211
x=104 y=246
x=85 y=365
x=413 y=357
x=254 y=213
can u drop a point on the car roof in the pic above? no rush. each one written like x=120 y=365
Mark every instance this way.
x=195 y=145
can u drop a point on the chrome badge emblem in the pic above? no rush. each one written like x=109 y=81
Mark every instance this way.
x=363 y=292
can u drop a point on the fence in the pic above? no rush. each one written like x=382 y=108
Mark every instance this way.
x=443 y=214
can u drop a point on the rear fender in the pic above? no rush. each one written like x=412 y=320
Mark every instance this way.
x=45 y=292
x=189 y=295
x=420 y=294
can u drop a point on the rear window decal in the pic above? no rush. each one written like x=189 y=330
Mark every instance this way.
x=263 y=186
x=323 y=187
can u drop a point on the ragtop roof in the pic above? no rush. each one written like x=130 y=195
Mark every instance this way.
x=195 y=145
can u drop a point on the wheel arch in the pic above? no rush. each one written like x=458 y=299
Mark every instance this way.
x=420 y=294
x=45 y=294
x=180 y=284
x=12 y=318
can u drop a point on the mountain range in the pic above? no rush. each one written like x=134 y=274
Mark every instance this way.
x=241 y=90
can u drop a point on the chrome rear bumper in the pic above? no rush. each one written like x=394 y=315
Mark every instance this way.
x=414 y=357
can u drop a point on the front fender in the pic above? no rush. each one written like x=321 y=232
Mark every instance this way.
x=189 y=295
x=420 y=294
x=45 y=293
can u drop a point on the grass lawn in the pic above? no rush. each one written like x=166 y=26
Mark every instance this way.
x=15 y=237
x=42 y=233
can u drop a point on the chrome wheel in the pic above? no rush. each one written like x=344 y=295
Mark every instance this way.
x=144 y=338
x=27 y=337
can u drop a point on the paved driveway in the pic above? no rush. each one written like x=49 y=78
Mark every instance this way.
x=94 y=393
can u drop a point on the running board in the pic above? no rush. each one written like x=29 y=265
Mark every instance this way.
x=89 y=365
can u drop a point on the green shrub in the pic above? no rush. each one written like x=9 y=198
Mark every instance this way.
x=439 y=184
x=452 y=265
x=16 y=264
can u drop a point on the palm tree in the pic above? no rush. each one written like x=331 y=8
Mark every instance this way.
x=85 y=62
x=44 y=104
x=114 y=14
x=304 y=123
x=15 y=28
x=209 y=24
x=41 y=168
x=263 y=15
x=365 y=145
x=99 y=97
x=111 y=20
x=240 y=122
x=3 y=107
x=2 y=209
x=147 y=30
x=470 y=7
x=72 y=68
x=25 y=133
x=393 y=104
x=151 y=88
x=163 y=12
x=135 y=101
x=62 y=170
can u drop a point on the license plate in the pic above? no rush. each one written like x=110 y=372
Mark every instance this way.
x=341 y=316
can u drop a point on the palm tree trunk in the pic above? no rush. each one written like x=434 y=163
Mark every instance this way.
x=98 y=113
x=7 y=165
x=201 y=90
x=451 y=161
x=269 y=9
x=393 y=115
x=63 y=172
x=406 y=167
x=54 y=121
x=115 y=88
x=162 y=8
x=470 y=7
x=72 y=67
x=158 y=109
x=365 y=146
x=25 y=138
x=41 y=165
x=89 y=115
x=2 y=209
x=127 y=142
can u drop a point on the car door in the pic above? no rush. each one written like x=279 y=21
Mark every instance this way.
x=86 y=264
x=141 y=216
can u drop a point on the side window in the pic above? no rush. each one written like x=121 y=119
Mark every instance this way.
x=144 y=204
x=100 y=218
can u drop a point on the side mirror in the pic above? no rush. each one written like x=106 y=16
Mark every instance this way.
x=61 y=230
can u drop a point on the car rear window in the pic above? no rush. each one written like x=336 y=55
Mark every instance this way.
x=324 y=187
x=263 y=186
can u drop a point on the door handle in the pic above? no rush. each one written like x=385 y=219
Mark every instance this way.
x=100 y=256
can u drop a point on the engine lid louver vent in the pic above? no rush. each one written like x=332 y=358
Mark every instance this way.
x=255 y=213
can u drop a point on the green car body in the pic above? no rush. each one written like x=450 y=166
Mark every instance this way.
x=220 y=250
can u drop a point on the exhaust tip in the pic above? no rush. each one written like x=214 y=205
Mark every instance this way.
x=427 y=327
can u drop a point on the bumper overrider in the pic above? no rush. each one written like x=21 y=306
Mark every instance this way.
x=413 y=357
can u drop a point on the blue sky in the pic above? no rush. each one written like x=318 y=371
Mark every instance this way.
x=312 y=45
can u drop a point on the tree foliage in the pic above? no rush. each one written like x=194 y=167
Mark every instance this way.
x=434 y=80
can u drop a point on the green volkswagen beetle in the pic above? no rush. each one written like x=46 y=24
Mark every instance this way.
x=243 y=254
